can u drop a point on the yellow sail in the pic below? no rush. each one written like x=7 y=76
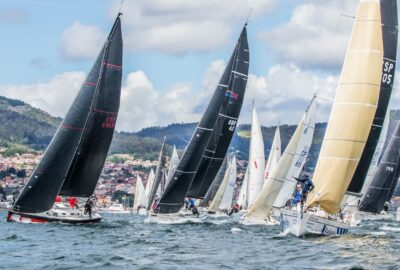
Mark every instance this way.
x=353 y=110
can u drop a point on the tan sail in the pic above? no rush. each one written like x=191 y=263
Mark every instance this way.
x=353 y=110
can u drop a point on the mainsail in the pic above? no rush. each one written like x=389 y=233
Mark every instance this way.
x=140 y=194
x=232 y=80
x=275 y=153
x=212 y=191
x=226 y=202
x=389 y=22
x=353 y=110
x=300 y=156
x=173 y=163
x=242 y=198
x=225 y=125
x=216 y=202
x=256 y=164
x=385 y=179
x=81 y=142
x=159 y=175
x=150 y=182
x=264 y=202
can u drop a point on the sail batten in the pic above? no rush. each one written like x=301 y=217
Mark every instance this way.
x=349 y=124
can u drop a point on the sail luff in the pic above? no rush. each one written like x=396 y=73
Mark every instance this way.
x=388 y=12
x=256 y=164
x=353 y=110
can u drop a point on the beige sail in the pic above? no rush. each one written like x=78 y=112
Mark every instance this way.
x=352 y=112
x=263 y=204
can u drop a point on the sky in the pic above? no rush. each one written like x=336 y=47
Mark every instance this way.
x=175 y=52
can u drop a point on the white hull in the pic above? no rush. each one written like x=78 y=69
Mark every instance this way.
x=64 y=215
x=182 y=216
x=299 y=224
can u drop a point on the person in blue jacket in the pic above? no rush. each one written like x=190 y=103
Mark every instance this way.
x=297 y=196
x=308 y=185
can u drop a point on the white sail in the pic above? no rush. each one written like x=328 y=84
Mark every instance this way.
x=140 y=194
x=226 y=202
x=214 y=206
x=264 y=202
x=173 y=164
x=275 y=153
x=256 y=160
x=242 y=199
x=150 y=182
x=300 y=157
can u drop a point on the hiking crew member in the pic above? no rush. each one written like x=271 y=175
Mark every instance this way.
x=308 y=185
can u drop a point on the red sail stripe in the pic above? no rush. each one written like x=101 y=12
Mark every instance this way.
x=101 y=111
x=71 y=127
x=112 y=65
x=255 y=164
x=90 y=83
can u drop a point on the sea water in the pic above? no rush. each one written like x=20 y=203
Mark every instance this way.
x=126 y=241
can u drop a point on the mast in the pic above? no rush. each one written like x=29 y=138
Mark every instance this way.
x=385 y=179
x=88 y=163
x=353 y=110
x=181 y=180
x=389 y=34
x=45 y=183
x=158 y=176
x=225 y=124
x=256 y=164
x=212 y=191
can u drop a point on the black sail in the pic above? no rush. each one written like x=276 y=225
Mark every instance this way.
x=212 y=191
x=42 y=188
x=172 y=199
x=389 y=32
x=158 y=177
x=385 y=178
x=88 y=162
x=225 y=126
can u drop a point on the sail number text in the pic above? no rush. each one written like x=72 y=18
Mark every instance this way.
x=388 y=70
x=232 y=124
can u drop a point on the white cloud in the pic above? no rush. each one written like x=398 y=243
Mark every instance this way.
x=81 y=41
x=316 y=35
x=181 y=26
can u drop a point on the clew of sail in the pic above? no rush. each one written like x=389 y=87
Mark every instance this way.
x=353 y=110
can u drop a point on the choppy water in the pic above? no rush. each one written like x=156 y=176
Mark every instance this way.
x=127 y=242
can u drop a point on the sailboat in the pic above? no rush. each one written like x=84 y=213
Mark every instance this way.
x=212 y=191
x=140 y=202
x=222 y=201
x=74 y=159
x=217 y=122
x=274 y=154
x=155 y=191
x=256 y=166
x=289 y=166
x=349 y=124
x=362 y=177
x=384 y=182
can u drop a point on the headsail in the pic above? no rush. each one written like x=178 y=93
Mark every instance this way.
x=226 y=202
x=300 y=156
x=173 y=163
x=150 y=182
x=233 y=77
x=385 y=179
x=353 y=110
x=256 y=160
x=264 y=202
x=275 y=154
x=88 y=162
x=242 y=198
x=140 y=194
x=389 y=31
x=45 y=183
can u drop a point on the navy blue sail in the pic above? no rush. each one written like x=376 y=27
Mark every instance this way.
x=390 y=33
x=48 y=177
x=178 y=185
x=385 y=178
